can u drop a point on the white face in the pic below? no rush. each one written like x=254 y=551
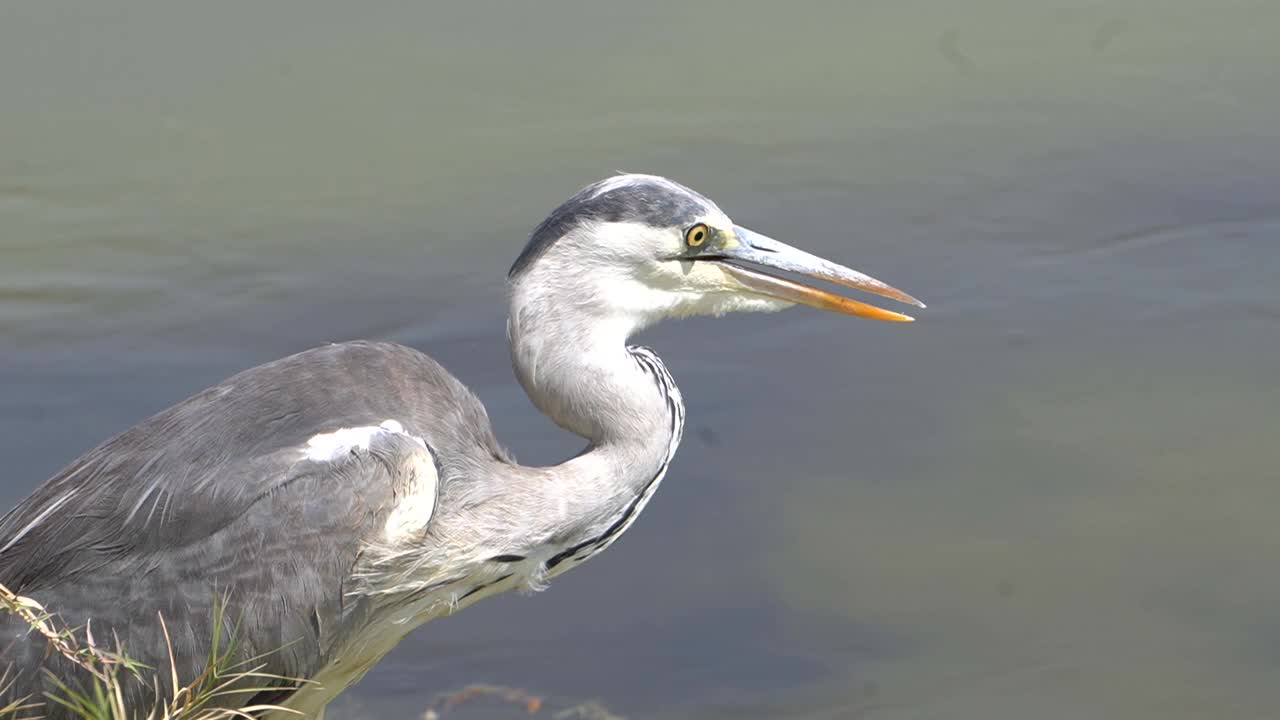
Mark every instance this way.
x=635 y=249
x=653 y=272
x=650 y=273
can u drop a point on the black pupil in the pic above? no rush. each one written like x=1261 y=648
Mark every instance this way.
x=697 y=236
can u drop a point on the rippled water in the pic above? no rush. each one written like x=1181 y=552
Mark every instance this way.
x=1055 y=496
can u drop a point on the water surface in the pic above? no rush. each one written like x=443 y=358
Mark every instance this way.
x=1054 y=496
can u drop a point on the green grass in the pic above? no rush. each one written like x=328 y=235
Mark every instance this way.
x=99 y=692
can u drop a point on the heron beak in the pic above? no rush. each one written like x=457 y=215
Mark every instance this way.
x=751 y=247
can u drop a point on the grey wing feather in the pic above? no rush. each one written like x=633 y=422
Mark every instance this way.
x=212 y=500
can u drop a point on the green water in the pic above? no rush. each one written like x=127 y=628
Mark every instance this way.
x=1055 y=496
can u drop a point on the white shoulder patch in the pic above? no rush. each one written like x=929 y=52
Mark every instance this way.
x=416 y=501
x=327 y=447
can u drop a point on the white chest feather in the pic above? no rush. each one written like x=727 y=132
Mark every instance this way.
x=389 y=628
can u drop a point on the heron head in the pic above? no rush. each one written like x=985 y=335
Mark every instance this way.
x=642 y=248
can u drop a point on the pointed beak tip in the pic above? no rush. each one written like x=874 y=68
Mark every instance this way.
x=766 y=252
x=894 y=317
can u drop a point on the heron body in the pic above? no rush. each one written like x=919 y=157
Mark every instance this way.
x=328 y=503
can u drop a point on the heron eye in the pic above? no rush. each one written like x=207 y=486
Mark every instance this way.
x=696 y=235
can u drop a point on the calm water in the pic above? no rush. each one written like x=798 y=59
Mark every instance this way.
x=1056 y=496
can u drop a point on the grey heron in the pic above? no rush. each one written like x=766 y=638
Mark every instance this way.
x=338 y=498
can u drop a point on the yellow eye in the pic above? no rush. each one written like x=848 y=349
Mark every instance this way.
x=696 y=235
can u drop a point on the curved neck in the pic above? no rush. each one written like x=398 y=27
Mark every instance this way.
x=577 y=369
x=574 y=363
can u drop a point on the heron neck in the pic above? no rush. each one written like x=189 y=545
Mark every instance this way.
x=584 y=377
x=623 y=401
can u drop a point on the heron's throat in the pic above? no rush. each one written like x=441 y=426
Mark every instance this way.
x=578 y=370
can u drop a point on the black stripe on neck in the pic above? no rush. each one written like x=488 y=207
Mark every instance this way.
x=666 y=385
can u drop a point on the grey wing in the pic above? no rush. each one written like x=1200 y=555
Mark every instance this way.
x=272 y=554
